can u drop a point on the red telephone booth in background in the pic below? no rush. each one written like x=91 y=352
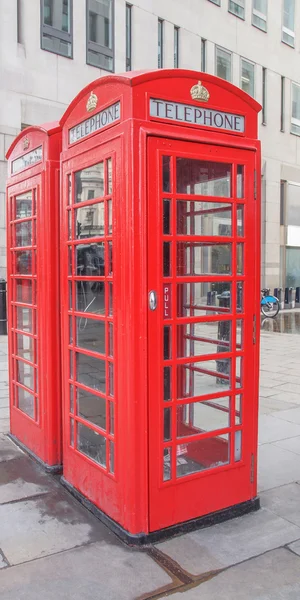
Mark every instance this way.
x=33 y=292
x=160 y=297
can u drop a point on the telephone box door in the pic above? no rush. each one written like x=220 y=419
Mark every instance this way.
x=202 y=264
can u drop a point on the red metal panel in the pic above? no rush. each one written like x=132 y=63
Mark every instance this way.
x=33 y=292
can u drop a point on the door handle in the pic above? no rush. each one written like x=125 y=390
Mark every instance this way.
x=152 y=300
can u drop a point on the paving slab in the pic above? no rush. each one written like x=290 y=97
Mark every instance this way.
x=4 y=412
x=293 y=416
x=285 y=397
x=229 y=543
x=99 y=571
x=284 y=502
x=21 y=478
x=4 y=402
x=8 y=450
x=295 y=547
x=292 y=444
x=276 y=467
x=273 y=429
x=4 y=425
x=46 y=525
x=270 y=405
x=289 y=387
x=274 y=576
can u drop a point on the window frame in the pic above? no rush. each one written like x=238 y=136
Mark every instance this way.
x=286 y=30
x=262 y=16
x=128 y=47
x=95 y=46
x=228 y=52
x=216 y=2
x=297 y=123
x=56 y=33
x=241 y=4
x=176 y=46
x=203 y=55
x=160 y=40
x=249 y=62
x=282 y=103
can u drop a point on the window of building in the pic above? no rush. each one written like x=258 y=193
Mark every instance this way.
x=247 y=76
x=282 y=202
x=264 y=96
x=259 y=14
x=295 y=123
x=288 y=24
x=217 y=2
x=160 y=48
x=237 y=8
x=203 y=55
x=99 y=24
x=56 y=26
x=176 y=47
x=223 y=63
x=282 y=103
x=128 y=37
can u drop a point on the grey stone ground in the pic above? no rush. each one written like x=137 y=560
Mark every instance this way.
x=52 y=548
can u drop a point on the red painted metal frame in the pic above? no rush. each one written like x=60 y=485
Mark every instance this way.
x=41 y=434
x=126 y=497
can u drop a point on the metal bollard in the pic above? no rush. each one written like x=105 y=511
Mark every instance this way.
x=3 y=313
x=278 y=292
x=297 y=297
x=289 y=297
x=292 y=298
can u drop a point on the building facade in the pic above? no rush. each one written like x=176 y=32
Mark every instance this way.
x=50 y=49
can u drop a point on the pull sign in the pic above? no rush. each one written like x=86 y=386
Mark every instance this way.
x=152 y=300
x=167 y=301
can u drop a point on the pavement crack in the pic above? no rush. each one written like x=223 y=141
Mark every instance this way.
x=25 y=498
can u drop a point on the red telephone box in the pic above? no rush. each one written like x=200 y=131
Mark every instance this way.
x=33 y=292
x=160 y=286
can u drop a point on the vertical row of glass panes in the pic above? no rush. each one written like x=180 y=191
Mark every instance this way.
x=24 y=303
x=91 y=333
x=203 y=328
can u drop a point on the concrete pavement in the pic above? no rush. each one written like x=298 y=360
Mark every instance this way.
x=51 y=547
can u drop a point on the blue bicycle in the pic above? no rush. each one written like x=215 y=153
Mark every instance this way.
x=269 y=304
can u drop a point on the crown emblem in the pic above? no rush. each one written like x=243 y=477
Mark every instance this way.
x=25 y=143
x=199 y=92
x=92 y=102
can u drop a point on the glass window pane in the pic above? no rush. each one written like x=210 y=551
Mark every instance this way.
x=24 y=205
x=200 y=378
x=23 y=262
x=24 y=319
x=91 y=443
x=237 y=8
x=25 y=401
x=55 y=44
x=240 y=221
x=89 y=183
x=110 y=339
x=111 y=379
x=24 y=291
x=167 y=343
x=90 y=259
x=247 y=77
x=196 y=258
x=204 y=178
x=240 y=259
x=25 y=347
x=197 y=299
x=24 y=233
x=198 y=339
x=201 y=417
x=238 y=410
x=240 y=296
x=167 y=425
x=223 y=64
x=160 y=44
x=90 y=334
x=72 y=432
x=289 y=14
x=167 y=383
x=293 y=204
x=237 y=446
x=111 y=456
x=90 y=221
x=239 y=372
x=202 y=454
x=166 y=173
x=240 y=334
x=25 y=374
x=90 y=297
x=167 y=464
x=110 y=299
x=111 y=418
x=204 y=218
x=166 y=217
x=109 y=176
x=57 y=14
x=91 y=408
x=167 y=259
x=109 y=212
x=100 y=22
x=90 y=371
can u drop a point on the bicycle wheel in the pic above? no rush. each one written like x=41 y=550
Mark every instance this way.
x=270 y=309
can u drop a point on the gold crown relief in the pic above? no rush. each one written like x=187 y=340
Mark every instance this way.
x=92 y=102
x=199 y=92
x=25 y=143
